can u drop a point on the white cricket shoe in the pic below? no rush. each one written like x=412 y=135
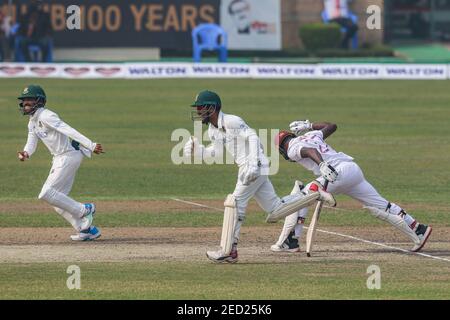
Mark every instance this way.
x=284 y=248
x=90 y=234
x=289 y=245
x=219 y=256
x=88 y=217
x=423 y=232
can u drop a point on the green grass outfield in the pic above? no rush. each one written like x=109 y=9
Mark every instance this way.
x=397 y=131
x=187 y=281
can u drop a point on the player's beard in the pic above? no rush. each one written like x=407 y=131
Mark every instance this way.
x=28 y=110
x=38 y=103
x=203 y=114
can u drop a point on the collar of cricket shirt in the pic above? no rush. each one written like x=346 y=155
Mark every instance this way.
x=220 y=124
x=35 y=116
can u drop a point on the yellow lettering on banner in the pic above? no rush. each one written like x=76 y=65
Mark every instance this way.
x=153 y=17
x=113 y=18
x=171 y=20
x=93 y=11
x=207 y=13
x=188 y=16
x=58 y=17
x=137 y=14
x=83 y=17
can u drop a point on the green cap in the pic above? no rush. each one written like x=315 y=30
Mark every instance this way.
x=33 y=91
x=207 y=98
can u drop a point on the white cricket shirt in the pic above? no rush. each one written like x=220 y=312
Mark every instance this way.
x=239 y=140
x=314 y=139
x=55 y=134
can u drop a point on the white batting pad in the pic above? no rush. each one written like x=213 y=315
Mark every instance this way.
x=396 y=221
x=291 y=204
x=229 y=224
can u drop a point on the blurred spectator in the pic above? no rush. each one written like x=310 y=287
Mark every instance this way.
x=338 y=12
x=5 y=35
x=34 y=29
x=3 y=39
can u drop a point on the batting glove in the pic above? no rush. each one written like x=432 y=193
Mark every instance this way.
x=192 y=147
x=328 y=172
x=250 y=173
x=300 y=127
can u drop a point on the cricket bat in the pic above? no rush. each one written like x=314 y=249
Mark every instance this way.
x=313 y=224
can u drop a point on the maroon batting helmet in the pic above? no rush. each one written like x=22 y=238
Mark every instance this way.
x=280 y=140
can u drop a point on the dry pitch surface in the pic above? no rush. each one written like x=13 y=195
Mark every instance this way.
x=30 y=245
x=340 y=253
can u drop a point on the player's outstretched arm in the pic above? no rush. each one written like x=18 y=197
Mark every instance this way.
x=326 y=170
x=30 y=147
x=52 y=120
x=312 y=154
x=194 y=148
x=327 y=128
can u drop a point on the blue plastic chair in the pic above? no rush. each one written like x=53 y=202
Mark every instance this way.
x=211 y=37
x=353 y=17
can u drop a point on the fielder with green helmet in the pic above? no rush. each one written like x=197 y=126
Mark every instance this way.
x=242 y=142
x=37 y=96
x=68 y=148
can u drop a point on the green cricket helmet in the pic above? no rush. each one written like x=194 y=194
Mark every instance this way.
x=206 y=103
x=32 y=92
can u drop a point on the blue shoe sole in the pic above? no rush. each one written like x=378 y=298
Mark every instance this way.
x=94 y=238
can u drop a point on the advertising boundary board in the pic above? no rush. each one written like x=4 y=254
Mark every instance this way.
x=226 y=70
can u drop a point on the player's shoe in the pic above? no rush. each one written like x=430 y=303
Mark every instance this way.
x=88 y=217
x=298 y=184
x=327 y=198
x=87 y=235
x=90 y=209
x=423 y=232
x=220 y=257
x=289 y=245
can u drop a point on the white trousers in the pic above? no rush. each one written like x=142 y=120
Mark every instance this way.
x=351 y=182
x=264 y=193
x=58 y=186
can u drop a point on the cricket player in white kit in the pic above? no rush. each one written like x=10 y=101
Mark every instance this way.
x=68 y=148
x=243 y=144
x=306 y=145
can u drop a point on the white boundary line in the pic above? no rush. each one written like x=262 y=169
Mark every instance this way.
x=383 y=245
x=336 y=234
x=198 y=204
